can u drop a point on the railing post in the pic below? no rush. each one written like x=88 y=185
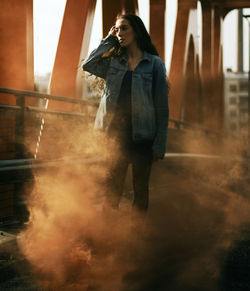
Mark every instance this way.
x=20 y=211
x=20 y=128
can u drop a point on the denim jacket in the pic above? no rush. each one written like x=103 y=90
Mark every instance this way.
x=149 y=93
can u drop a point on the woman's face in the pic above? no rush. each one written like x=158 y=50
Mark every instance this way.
x=124 y=32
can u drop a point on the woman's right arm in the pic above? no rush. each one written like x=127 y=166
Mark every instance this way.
x=95 y=63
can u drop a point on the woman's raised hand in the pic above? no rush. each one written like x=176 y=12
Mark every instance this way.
x=112 y=31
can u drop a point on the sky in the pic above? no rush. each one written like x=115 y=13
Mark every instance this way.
x=47 y=23
x=230 y=40
x=48 y=16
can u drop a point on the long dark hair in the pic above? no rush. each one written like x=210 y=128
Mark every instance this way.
x=141 y=35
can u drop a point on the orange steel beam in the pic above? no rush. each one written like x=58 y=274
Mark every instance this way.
x=217 y=43
x=157 y=25
x=217 y=66
x=16 y=53
x=178 y=62
x=212 y=65
x=111 y=8
x=207 y=45
x=77 y=20
x=16 y=71
x=130 y=6
x=231 y=3
x=185 y=26
x=189 y=102
x=209 y=102
x=16 y=65
x=207 y=63
x=192 y=101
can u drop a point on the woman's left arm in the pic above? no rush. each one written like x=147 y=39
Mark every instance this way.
x=160 y=96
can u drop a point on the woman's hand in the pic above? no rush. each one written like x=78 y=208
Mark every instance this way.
x=112 y=31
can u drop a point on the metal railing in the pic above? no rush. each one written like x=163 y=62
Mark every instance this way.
x=22 y=94
x=179 y=124
x=21 y=111
x=18 y=169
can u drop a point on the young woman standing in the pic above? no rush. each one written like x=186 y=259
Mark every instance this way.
x=134 y=105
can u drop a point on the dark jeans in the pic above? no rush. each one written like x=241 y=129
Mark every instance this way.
x=122 y=154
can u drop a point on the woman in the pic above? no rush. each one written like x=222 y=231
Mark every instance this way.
x=134 y=105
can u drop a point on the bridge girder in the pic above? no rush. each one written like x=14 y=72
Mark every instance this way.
x=75 y=37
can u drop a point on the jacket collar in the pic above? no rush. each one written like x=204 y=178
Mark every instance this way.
x=146 y=56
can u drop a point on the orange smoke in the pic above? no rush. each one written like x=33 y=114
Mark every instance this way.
x=195 y=215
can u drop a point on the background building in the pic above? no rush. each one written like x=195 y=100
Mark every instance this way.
x=236 y=102
x=236 y=90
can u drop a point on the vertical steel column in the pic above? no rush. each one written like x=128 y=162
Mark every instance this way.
x=66 y=66
x=240 y=41
x=130 y=6
x=178 y=62
x=157 y=25
x=248 y=149
x=248 y=137
x=212 y=79
x=16 y=67
x=218 y=96
x=16 y=53
x=249 y=95
x=190 y=100
x=209 y=116
x=111 y=8
x=217 y=41
x=207 y=45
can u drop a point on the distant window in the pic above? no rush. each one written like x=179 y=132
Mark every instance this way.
x=243 y=125
x=243 y=115
x=233 y=113
x=233 y=100
x=243 y=86
x=244 y=111
x=232 y=88
x=233 y=126
x=243 y=100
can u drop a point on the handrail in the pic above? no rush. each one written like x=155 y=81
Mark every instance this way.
x=22 y=164
x=39 y=95
x=10 y=107
x=194 y=126
x=56 y=112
